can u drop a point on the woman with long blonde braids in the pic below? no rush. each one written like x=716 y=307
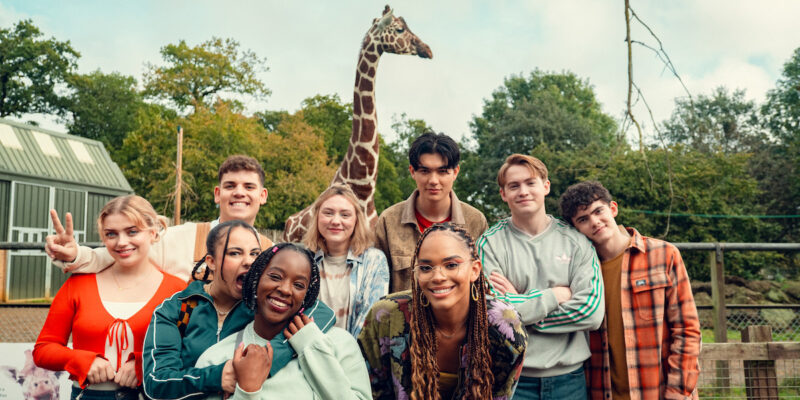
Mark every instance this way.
x=443 y=339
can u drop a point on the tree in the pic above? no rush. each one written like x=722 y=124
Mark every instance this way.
x=782 y=109
x=30 y=69
x=328 y=114
x=778 y=163
x=103 y=107
x=295 y=160
x=331 y=121
x=722 y=121
x=193 y=75
x=559 y=110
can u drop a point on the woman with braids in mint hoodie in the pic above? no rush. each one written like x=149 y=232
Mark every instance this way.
x=281 y=286
x=206 y=312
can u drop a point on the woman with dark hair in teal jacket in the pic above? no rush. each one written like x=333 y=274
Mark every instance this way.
x=192 y=320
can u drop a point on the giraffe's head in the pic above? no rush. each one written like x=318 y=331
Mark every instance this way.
x=393 y=36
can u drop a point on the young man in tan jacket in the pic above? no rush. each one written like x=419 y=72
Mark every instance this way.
x=434 y=166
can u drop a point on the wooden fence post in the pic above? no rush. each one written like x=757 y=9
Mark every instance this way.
x=723 y=379
x=760 y=379
x=3 y=275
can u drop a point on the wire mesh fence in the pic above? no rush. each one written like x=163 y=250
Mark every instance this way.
x=764 y=379
x=783 y=319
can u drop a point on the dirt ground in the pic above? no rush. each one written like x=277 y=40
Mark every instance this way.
x=21 y=324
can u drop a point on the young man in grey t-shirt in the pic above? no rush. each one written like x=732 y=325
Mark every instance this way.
x=550 y=273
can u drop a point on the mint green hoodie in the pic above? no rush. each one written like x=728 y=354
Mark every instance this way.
x=328 y=366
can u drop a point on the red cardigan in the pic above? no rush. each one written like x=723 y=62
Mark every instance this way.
x=77 y=308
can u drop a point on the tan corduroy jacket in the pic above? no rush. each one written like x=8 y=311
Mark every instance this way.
x=397 y=233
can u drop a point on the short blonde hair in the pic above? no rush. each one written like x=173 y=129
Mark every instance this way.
x=361 y=239
x=136 y=209
x=535 y=165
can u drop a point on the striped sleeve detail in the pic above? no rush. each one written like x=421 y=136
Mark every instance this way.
x=481 y=244
x=585 y=310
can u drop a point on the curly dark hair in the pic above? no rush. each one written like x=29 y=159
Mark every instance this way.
x=250 y=284
x=581 y=195
x=480 y=378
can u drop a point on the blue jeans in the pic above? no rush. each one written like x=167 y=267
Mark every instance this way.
x=571 y=386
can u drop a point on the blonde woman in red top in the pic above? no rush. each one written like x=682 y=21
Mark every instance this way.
x=107 y=313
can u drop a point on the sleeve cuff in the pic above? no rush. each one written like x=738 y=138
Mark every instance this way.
x=305 y=336
x=243 y=394
x=550 y=301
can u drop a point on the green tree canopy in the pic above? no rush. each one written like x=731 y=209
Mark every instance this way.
x=777 y=164
x=721 y=121
x=103 y=107
x=334 y=118
x=193 y=75
x=295 y=162
x=30 y=69
x=782 y=109
x=559 y=110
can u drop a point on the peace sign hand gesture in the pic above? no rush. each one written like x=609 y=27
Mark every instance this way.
x=61 y=246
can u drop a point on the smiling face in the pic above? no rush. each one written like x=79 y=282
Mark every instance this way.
x=243 y=248
x=240 y=195
x=596 y=221
x=282 y=288
x=444 y=270
x=127 y=243
x=434 y=179
x=524 y=192
x=336 y=221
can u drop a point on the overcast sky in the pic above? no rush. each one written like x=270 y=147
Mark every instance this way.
x=311 y=46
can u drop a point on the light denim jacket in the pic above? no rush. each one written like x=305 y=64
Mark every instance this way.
x=369 y=281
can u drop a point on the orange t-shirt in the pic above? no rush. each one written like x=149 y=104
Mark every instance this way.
x=612 y=279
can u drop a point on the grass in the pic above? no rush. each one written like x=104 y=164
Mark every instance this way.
x=708 y=336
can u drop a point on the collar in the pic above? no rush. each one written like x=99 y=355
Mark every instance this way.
x=319 y=255
x=214 y=223
x=637 y=240
x=408 y=215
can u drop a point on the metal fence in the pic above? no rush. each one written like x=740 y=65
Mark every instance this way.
x=783 y=319
x=757 y=368
x=713 y=384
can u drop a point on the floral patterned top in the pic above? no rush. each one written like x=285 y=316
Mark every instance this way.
x=385 y=343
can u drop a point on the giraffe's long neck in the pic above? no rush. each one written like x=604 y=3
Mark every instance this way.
x=359 y=169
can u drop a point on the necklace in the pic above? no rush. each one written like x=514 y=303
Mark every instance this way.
x=450 y=335
x=222 y=313
x=114 y=275
x=207 y=288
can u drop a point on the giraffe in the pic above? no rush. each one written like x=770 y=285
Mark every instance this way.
x=359 y=168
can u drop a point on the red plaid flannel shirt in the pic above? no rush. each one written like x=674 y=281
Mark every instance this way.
x=662 y=331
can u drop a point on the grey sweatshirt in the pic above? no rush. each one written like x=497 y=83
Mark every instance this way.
x=558 y=335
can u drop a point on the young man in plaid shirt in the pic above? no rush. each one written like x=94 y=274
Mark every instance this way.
x=649 y=342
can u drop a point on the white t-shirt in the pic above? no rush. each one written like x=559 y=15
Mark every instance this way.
x=334 y=288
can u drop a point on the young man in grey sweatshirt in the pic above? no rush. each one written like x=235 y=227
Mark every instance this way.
x=550 y=273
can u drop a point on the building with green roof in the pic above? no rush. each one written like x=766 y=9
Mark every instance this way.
x=39 y=170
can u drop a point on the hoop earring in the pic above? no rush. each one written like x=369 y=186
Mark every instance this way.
x=474 y=291
x=424 y=300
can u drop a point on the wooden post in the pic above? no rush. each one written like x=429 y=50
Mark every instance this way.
x=179 y=169
x=723 y=379
x=718 y=296
x=760 y=380
x=3 y=275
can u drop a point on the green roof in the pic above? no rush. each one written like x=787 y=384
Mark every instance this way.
x=33 y=152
